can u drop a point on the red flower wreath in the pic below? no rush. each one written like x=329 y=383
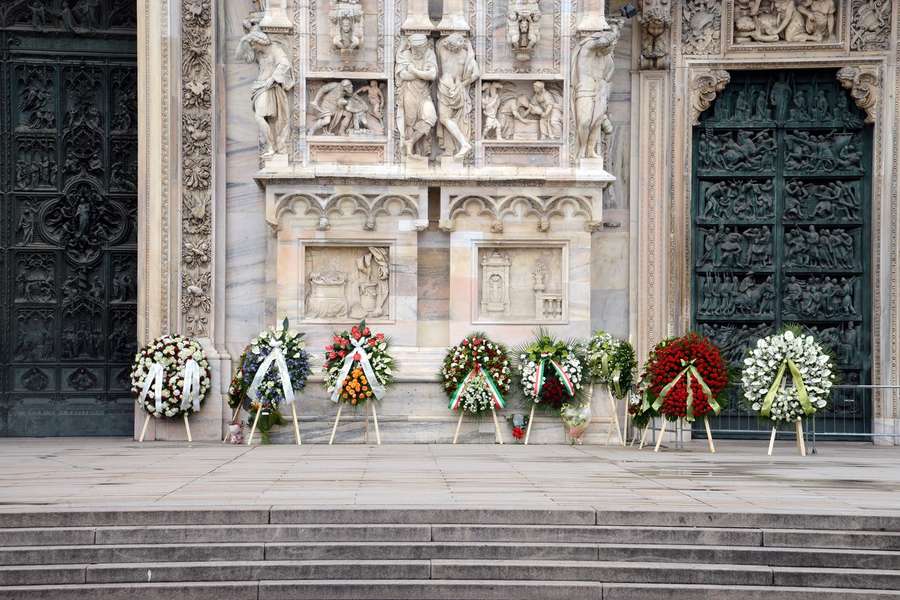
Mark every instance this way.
x=684 y=359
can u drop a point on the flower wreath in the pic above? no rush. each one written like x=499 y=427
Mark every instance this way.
x=170 y=376
x=767 y=365
x=612 y=362
x=476 y=375
x=551 y=371
x=684 y=378
x=357 y=365
x=271 y=369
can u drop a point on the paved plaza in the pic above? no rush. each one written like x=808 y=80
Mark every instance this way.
x=740 y=477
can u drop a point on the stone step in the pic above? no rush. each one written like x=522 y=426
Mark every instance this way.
x=126 y=553
x=600 y=534
x=793 y=538
x=88 y=517
x=229 y=590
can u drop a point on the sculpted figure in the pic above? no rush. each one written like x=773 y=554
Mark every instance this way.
x=592 y=71
x=416 y=69
x=547 y=107
x=490 y=104
x=347 y=25
x=458 y=71
x=784 y=20
x=523 y=29
x=269 y=92
x=331 y=102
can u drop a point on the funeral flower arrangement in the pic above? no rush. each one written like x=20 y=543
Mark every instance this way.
x=170 y=376
x=476 y=375
x=551 y=371
x=357 y=365
x=576 y=418
x=772 y=361
x=684 y=378
x=612 y=362
x=271 y=369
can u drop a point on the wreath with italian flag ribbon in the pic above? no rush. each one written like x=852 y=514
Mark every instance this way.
x=551 y=371
x=357 y=366
x=684 y=378
x=777 y=360
x=476 y=375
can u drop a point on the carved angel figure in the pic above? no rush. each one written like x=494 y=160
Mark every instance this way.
x=458 y=71
x=269 y=98
x=592 y=71
x=415 y=70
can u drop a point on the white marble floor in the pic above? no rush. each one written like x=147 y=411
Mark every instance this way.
x=120 y=473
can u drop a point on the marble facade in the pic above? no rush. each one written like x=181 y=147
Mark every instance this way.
x=451 y=150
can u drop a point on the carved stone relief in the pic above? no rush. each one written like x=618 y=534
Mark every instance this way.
x=347 y=32
x=523 y=36
x=523 y=28
x=340 y=108
x=591 y=77
x=324 y=207
x=515 y=110
x=701 y=26
x=458 y=71
x=520 y=284
x=544 y=208
x=864 y=85
x=786 y=21
x=656 y=22
x=705 y=85
x=347 y=282
x=870 y=24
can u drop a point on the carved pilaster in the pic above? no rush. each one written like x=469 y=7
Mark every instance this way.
x=656 y=24
x=705 y=86
x=864 y=85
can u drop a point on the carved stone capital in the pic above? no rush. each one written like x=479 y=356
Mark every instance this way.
x=705 y=86
x=864 y=84
x=656 y=24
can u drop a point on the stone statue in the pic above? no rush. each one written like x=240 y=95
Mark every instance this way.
x=374 y=284
x=547 y=107
x=523 y=28
x=458 y=71
x=346 y=25
x=490 y=104
x=415 y=70
x=592 y=71
x=655 y=20
x=795 y=21
x=275 y=79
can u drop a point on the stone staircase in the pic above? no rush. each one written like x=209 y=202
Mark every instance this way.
x=460 y=554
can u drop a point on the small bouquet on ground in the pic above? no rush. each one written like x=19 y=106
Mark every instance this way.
x=272 y=368
x=793 y=356
x=358 y=367
x=684 y=378
x=476 y=375
x=170 y=376
x=576 y=418
x=611 y=362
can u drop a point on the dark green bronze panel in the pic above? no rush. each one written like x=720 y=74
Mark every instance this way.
x=68 y=180
x=781 y=222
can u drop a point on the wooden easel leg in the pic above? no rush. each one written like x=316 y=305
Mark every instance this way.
x=496 y=425
x=709 y=437
x=187 y=428
x=615 y=415
x=661 y=434
x=772 y=440
x=366 y=430
x=625 y=429
x=458 y=425
x=530 y=421
x=253 y=427
x=234 y=416
x=296 y=424
x=144 y=428
x=800 y=441
x=337 y=420
x=644 y=436
x=375 y=421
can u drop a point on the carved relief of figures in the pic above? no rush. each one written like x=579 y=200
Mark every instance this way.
x=523 y=29
x=793 y=21
x=828 y=152
x=416 y=70
x=816 y=296
x=843 y=341
x=655 y=20
x=26 y=224
x=269 y=95
x=82 y=331
x=592 y=71
x=838 y=200
x=374 y=283
x=348 y=283
x=734 y=340
x=731 y=247
x=35 y=275
x=35 y=164
x=738 y=199
x=34 y=338
x=736 y=150
x=342 y=111
x=870 y=24
x=819 y=248
x=729 y=295
x=700 y=28
x=458 y=71
x=510 y=114
x=83 y=222
x=36 y=102
x=327 y=296
x=346 y=25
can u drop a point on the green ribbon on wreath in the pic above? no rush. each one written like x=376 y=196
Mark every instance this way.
x=802 y=394
x=689 y=371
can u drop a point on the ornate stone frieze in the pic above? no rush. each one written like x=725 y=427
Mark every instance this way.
x=870 y=24
x=656 y=22
x=326 y=206
x=197 y=160
x=705 y=86
x=701 y=23
x=541 y=207
x=865 y=86
x=786 y=22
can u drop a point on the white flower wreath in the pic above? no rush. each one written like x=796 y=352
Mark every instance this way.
x=768 y=368
x=570 y=366
x=173 y=354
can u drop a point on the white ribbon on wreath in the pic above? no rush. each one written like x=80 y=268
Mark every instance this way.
x=154 y=378
x=377 y=388
x=190 y=394
x=276 y=356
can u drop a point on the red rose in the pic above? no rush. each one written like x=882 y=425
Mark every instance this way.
x=379 y=336
x=366 y=331
x=356 y=356
x=518 y=432
x=341 y=353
